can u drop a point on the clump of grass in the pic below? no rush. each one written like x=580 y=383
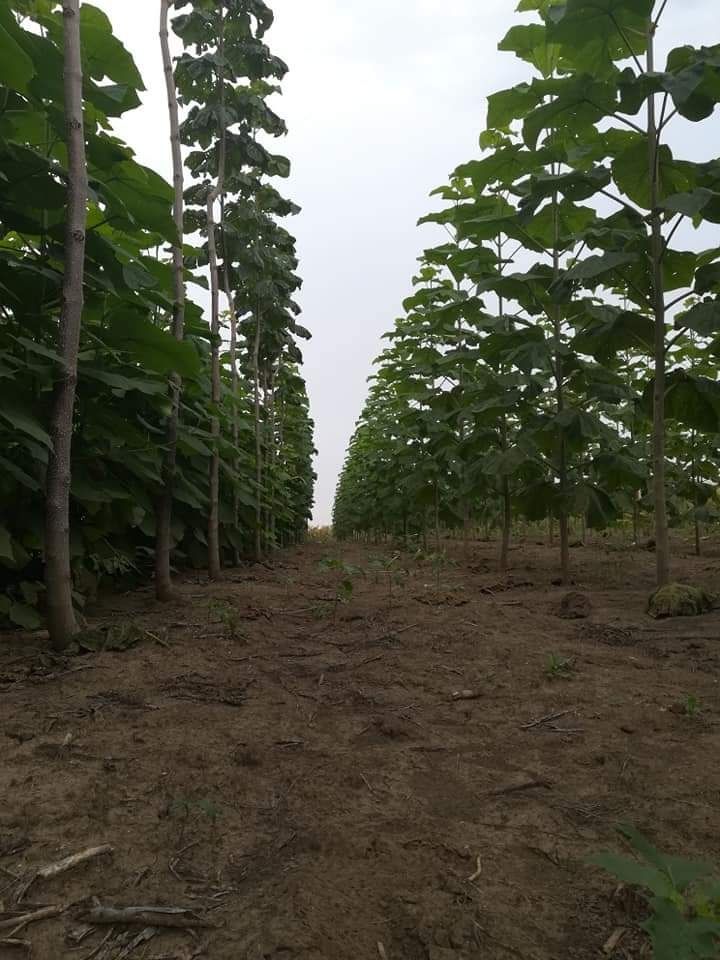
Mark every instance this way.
x=229 y=617
x=691 y=706
x=559 y=667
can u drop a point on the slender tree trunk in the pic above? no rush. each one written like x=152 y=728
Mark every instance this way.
x=234 y=384
x=696 y=499
x=662 y=544
x=507 y=526
x=163 y=515
x=258 y=441
x=214 y=563
x=270 y=456
x=58 y=574
x=506 y=493
x=563 y=519
x=276 y=439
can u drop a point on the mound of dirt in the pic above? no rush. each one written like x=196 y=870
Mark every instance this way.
x=575 y=606
x=679 y=600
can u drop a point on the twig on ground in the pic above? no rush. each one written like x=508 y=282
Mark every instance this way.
x=17 y=944
x=178 y=917
x=157 y=639
x=21 y=920
x=478 y=870
x=546 y=719
x=518 y=787
x=99 y=947
x=143 y=937
x=62 y=866
x=367 y=783
x=452 y=670
x=466 y=695
x=382 y=952
x=389 y=634
x=614 y=941
x=362 y=663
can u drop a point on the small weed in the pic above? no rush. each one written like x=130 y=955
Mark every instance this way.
x=559 y=667
x=186 y=807
x=683 y=896
x=437 y=562
x=229 y=617
x=691 y=706
x=344 y=579
x=320 y=611
x=387 y=567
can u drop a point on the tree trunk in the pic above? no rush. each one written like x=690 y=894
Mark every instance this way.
x=214 y=563
x=662 y=544
x=258 y=441
x=437 y=517
x=163 y=514
x=58 y=574
x=563 y=520
x=507 y=526
x=506 y=493
x=234 y=382
x=696 y=500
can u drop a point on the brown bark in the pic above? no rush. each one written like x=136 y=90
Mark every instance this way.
x=563 y=519
x=214 y=563
x=662 y=544
x=163 y=516
x=258 y=441
x=62 y=623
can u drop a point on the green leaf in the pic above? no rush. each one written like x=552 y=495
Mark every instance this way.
x=16 y=67
x=25 y=616
x=630 y=170
x=633 y=873
x=153 y=348
x=596 y=33
x=21 y=420
x=6 y=550
x=703 y=318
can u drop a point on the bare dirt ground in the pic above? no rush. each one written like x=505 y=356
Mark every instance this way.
x=305 y=780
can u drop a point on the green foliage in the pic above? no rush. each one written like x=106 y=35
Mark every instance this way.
x=559 y=667
x=229 y=616
x=692 y=707
x=186 y=807
x=683 y=897
x=519 y=380
x=127 y=350
x=344 y=575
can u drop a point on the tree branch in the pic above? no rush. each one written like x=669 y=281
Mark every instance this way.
x=626 y=42
x=666 y=244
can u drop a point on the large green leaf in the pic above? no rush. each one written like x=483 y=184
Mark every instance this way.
x=21 y=419
x=596 y=33
x=16 y=67
x=703 y=318
x=153 y=348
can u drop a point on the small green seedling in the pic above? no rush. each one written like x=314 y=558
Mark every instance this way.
x=344 y=579
x=387 y=567
x=230 y=618
x=683 y=896
x=437 y=562
x=185 y=807
x=559 y=667
x=691 y=706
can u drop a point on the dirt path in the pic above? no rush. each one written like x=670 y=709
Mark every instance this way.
x=311 y=786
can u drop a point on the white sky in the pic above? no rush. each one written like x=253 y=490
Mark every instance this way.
x=384 y=98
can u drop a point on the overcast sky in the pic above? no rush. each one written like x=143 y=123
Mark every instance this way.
x=384 y=98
